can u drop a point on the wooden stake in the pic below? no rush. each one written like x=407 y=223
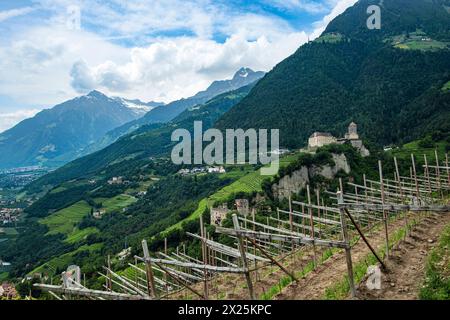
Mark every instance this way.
x=415 y=178
x=311 y=220
x=109 y=274
x=149 y=271
x=448 y=170
x=399 y=183
x=291 y=219
x=205 y=259
x=438 y=172
x=348 y=253
x=427 y=175
x=243 y=258
x=385 y=215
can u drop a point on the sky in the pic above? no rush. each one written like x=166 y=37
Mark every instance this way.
x=152 y=50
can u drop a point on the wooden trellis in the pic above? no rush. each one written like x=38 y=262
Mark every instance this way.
x=258 y=244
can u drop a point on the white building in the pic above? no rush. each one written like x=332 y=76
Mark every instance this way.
x=216 y=170
x=320 y=139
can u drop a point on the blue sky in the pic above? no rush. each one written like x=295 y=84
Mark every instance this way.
x=54 y=50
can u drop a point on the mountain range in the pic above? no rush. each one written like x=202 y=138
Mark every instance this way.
x=54 y=134
x=89 y=123
x=166 y=113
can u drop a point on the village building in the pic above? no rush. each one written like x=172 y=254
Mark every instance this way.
x=216 y=170
x=184 y=172
x=115 y=180
x=99 y=213
x=219 y=214
x=8 y=291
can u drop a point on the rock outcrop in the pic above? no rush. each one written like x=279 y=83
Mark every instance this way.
x=298 y=180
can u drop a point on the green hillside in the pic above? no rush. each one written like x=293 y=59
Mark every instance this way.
x=393 y=94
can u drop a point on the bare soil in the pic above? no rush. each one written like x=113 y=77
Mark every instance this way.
x=406 y=266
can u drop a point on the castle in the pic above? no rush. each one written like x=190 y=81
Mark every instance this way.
x=320 y=139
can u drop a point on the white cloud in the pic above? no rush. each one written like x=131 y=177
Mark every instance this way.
x=8 y=120
x=48 y=63
x=339 y=7
x=179 y=67
x=309 y=6
x=8 y=14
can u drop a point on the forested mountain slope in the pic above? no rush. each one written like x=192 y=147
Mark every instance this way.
x=389 y=81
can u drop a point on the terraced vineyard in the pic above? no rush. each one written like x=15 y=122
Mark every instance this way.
x=65 y=220
x=249 y=183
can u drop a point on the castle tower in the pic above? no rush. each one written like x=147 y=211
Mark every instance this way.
x=352 y=132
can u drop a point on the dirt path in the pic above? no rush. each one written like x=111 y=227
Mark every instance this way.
x=407 y=263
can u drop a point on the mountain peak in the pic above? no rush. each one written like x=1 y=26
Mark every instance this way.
x=243 y=73
x=96 y=94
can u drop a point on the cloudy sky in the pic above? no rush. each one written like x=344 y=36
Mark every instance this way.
x=161 y=50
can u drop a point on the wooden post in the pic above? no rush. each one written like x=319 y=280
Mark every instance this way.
x=243 y=258
x=366 y=200
x=254 y=247
x=291 y=220
x=348 y=253
x=385 y=215
x=427 y=176
x=149 y=271
x=318 y=211
x=205 y=259
x=165 y=275
x=448 y=169
x=399 y=184
x=311 y=219
x=415 y=178
x=303 y=220
x=109 y=274
x=438 y=172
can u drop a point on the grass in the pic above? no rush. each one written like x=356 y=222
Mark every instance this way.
x=9 y=231
x=285 y=281
x=65 y=220
x=117 y=203
x=331 y=38
x=80 y=235
x=446 y=87
x=437 y=282
x=432 y=45
x=404 y=153
x=3 y=276
x=65 y=260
